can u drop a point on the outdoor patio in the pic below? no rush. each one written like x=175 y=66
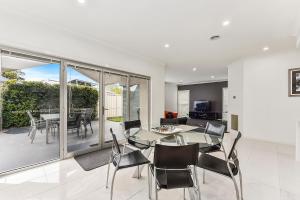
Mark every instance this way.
x=17 y=151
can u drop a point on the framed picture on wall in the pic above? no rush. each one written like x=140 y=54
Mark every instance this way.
x=294 y=82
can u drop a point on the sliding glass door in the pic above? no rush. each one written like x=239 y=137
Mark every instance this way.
x=139 y=100
x=115 y=105
x=83 y=103
x=29 y=111
x=54 y=109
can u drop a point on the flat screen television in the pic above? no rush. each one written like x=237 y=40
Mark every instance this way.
x=202 y=106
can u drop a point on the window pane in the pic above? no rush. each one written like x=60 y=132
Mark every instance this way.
x=30 y=112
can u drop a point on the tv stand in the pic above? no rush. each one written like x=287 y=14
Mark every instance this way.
x=204 y=115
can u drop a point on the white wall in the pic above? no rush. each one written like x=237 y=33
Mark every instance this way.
x=171 y=90
x=30 y=34
x=235 y=92
x=267 y=111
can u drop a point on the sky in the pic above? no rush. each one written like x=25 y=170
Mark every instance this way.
x=50 y=72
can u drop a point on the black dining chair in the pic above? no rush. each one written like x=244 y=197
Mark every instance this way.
x=174 y=167
x=139 y=144
x=168 y=121
x=122 y=160
x=216 y=133
x=229 y=167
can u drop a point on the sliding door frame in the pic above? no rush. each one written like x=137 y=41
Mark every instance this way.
x=33 y=57
x=103 y=143
x=64 y=62
x=67 y=154
x=149 y=97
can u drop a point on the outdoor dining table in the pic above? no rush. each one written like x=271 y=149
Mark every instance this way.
x=48 y=118
x=187 y=135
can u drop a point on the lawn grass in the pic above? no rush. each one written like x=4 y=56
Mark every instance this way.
x=115 y=119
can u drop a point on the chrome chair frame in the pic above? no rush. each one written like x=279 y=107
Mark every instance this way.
x=115 y=157
x=220 y=142
x=232 y=159
x=191 y=168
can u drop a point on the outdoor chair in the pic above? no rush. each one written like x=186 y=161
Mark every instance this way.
x=87 y=119
x=35 y=125
x=74 y=122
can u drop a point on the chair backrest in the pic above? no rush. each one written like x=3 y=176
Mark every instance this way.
x=32 y=120
x=115 y=145
x=132 y=124
x=75 y=121
x=175 y=157
x=182 y=120
x=172 y=121
x=87 y=115
x=215 y=129
x=232 y=153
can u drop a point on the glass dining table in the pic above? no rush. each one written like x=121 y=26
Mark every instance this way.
x=187 y=135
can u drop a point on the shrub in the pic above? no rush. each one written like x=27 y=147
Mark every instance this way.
x=39 y=97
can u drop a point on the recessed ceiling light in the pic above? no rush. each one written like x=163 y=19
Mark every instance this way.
x=167 y=46
x=181 y=81
x=194 y=69
x=212 y=76
x=214 y=37
x=226 y=23
x=81 y=1
x=266 y=48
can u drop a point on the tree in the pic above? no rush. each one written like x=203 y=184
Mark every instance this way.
x=13 y=75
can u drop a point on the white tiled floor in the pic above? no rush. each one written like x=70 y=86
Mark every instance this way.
x=270 y=173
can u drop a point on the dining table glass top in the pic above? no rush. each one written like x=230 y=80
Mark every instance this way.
x=187 y=135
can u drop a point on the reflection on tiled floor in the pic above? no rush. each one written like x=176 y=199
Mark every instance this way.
x=270 y=173
x=16 y=149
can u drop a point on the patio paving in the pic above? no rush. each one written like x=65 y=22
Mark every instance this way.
x=17 y=151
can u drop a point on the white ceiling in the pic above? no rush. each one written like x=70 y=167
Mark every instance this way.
x=144 y=26
x=13 y=63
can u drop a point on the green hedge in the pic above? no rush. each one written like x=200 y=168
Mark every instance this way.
x=39 y=97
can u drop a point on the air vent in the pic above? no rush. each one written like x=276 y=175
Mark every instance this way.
x=215 y=37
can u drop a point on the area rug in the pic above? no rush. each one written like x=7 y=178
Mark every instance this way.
x=96 y=159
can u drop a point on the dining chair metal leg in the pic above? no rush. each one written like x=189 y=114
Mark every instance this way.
x=236 y=188
x=241 y=184
x=203 y=176
x=112 y=184
x=197 y=182
x=149 y=183
x=155 y=187
x=183 y=193
x=139 y=173
x=124 y=147
x=29 y=131
x=33 y=135
x=91 y=128
x=234 y=182
x=107 y=175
